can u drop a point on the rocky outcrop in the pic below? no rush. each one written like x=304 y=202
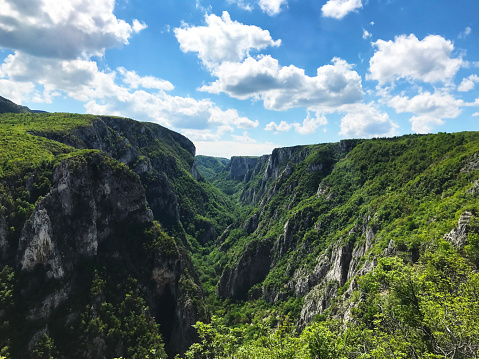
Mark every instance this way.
x=458 y=236
x=88 y=200
x=251 y=268
x=137 y=145
x=96 y=212
x=238 y=167
x=281 y=157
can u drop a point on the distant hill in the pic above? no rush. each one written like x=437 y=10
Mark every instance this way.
x=9 y=106
x=209 y=167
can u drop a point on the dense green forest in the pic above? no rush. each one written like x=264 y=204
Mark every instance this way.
x=115 y=240
x=413 y=291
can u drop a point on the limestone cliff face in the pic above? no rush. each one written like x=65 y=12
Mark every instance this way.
x=96 y=214
x=88 y=201
x=135 y=144
x=266 y=177
x=251 y=268
x=239 y=167
x=163 y=159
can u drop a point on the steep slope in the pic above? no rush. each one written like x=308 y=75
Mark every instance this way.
x=322 y=215
x=209 y=167
x=9 y=106
x=81 y=253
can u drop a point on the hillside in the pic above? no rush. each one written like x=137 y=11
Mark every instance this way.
x=82 y=200
x=377 y=236
x=209 y=167
x=115 y=240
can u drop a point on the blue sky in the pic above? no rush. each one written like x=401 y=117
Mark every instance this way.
x=241 y=77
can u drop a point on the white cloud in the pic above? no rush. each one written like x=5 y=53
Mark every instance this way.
x=272 y=7
x=223 y=39
x=475 y=114
x=467 y=31
x=366 y=34
x=233 y=148
x=244 y=138
x=340 y=8
x=242 y=4
x=282 y=88
x=310 y=124
x=468 y=83
x=406 y=57
x=282 y=127
x=365 y=121
x=149 y=82
x=102 y=93
x=207 y=134
x=424 y=124
x=428 y=109
x=438 y=105
x=63 y=29
x=16 y=91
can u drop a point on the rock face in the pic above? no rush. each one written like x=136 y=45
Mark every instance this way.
x=99 y=213
x=251 y=268
x=133 y=143
x=87 y=202
x=238 y=167
x=458 y=236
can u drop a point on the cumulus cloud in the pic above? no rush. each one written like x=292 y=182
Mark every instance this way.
x=365 y=121
x=424 y=124
x=223 y=39
x=275 y=128
x=104 y=94
x=272 y=7
x=468 y=83
x=149 y=82
x=87 y=28
x=340 y=8
x=282 y=88
x=16 y=91
x=244 y=138
x=429 y=60
x=366 y=34
x=428 y=109
x=439 y=105
x=310 y=124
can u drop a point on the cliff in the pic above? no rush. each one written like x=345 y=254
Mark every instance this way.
x=78 y=231
x=323 y=216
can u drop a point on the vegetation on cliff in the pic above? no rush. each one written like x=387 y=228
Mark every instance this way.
x=357 y=249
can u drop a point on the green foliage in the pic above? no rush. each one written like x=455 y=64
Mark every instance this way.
x=209 y=167
x=7 y=277
x=44 y=348
x=125 y=326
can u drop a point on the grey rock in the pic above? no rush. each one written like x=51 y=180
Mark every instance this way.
x=458 y=236
x=239 y=167
x=251 y=268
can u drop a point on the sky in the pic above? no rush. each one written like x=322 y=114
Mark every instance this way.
x=242 y=77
